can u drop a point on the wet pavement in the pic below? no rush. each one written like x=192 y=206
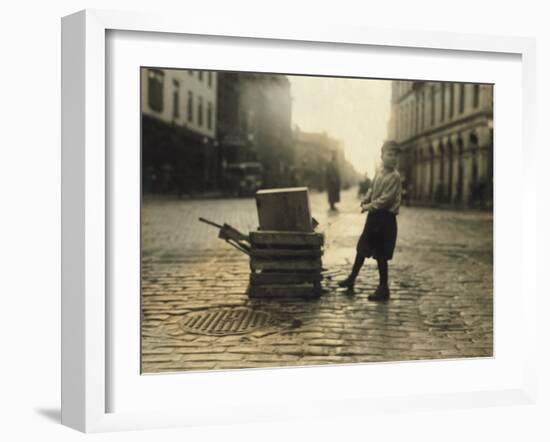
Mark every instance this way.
x=441 y=282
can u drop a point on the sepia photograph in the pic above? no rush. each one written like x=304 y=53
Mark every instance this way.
x=295 y=220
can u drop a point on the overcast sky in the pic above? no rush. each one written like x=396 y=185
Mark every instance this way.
x=355 y=111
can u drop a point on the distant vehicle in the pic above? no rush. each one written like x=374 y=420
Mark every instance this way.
x=244 y=178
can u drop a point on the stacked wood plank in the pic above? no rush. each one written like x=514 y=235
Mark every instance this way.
x=285 y=210
x=285 y=252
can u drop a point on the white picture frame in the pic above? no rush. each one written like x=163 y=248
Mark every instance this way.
x=86 y=205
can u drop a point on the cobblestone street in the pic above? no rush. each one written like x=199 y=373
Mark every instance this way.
x=441 y=282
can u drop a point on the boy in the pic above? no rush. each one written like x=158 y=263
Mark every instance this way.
x=380 y=231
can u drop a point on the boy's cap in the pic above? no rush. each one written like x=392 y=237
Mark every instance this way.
x=390 y=145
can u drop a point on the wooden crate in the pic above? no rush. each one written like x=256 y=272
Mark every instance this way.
x=307 y=291
x=284 y=209
x=276 y=239
x=285 y=264
x=293 y=265
x=275 y=278
x=272 y=253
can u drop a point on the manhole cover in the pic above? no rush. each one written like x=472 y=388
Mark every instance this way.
x=225 y=321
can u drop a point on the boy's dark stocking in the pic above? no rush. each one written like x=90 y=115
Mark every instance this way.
x=359 y=260
x=383 y=271
x=350 y=280
x=382 y=293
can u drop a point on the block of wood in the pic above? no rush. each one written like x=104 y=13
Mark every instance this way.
x=270 y=278
x=294 y=265
x=278 y=253
x=285 y=209
x=285 y=291
x=260 y=239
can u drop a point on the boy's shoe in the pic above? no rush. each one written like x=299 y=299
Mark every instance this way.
x=382 y=293
x=347 y=283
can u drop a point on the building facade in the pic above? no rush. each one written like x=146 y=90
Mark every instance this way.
x=445 y=132
x=254 y=122
x=179 y=146
x=312 y=153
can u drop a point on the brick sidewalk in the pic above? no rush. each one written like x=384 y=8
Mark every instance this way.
x=441 y=282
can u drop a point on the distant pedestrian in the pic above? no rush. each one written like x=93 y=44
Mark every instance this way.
x=333 y=182
x=380 y=231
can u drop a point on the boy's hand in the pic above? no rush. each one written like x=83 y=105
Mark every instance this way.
x=366 y=199
x=364 y=207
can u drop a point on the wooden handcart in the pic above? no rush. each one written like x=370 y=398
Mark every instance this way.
x=285 y=252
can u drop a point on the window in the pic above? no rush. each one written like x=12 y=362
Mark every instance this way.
x=403 y=120
x=411 y=118
x=156 y=89
x=433 y=106
x=407 y=118
x=461 y=98
x=190 y=73
x=176 y=111
x=452 y=100
x=442 y=112
x=209 y=79
x=200 y=75
x=200 y=111
x=422 y=97
x=397 y=125
x=190 y=106
x=209 y=116
x=417 y=112
x=476 y=96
